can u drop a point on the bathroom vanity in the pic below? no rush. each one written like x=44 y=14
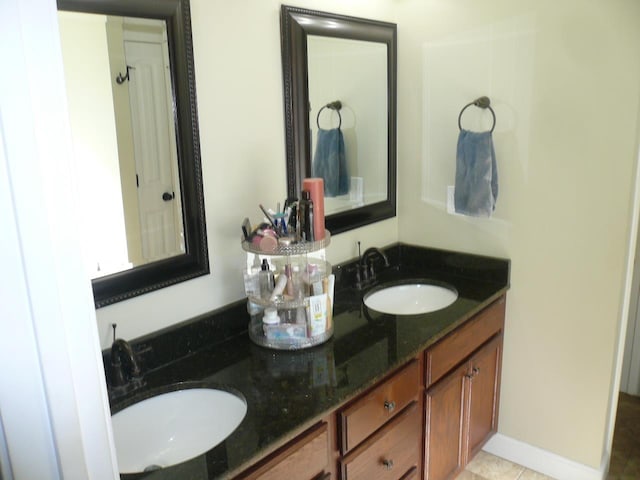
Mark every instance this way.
x=387 y=397
x=449 y=393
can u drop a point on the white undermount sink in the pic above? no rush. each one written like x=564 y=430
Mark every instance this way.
x=173 y=427
x=411 y=299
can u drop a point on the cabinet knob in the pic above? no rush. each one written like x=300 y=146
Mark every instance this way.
x=389 y=406
x=476 y=370
x=388 y=464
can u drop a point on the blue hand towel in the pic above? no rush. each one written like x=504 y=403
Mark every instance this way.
x=476 y=188
x=330 y=162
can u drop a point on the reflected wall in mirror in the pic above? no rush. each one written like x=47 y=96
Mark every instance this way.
x=132 y=108
x=340 y=109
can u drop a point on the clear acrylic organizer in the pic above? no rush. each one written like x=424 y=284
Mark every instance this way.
x=305 y=306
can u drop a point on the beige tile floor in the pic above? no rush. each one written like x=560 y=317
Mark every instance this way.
x=489 y=467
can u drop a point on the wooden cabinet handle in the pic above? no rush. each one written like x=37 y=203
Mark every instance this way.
x=389 y=406
x=388 y=464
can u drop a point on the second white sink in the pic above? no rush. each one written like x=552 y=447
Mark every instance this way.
x=173 y=427
x=411 y=299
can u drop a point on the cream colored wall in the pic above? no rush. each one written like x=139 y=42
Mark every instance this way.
x=564 y=79
x=240 y=106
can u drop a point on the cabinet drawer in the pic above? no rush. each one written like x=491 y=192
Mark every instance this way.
x=370 y=412
x=391 y=454
x=305 y=457
x=454 y=348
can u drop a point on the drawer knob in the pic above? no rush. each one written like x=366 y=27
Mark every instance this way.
x=474 y=371
x=388 y=464
x=389 y=407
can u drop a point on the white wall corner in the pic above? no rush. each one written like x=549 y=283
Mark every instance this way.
x=543 y=461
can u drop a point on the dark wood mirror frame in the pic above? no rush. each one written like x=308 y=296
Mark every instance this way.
x=296 y=24
x=195 y=262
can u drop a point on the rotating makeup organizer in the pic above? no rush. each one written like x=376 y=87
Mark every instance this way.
x=288 y=283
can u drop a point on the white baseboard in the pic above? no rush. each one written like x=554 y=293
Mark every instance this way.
x=542 y=461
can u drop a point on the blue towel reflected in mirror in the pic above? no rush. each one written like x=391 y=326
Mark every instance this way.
x=330 y=162
x=476 y=189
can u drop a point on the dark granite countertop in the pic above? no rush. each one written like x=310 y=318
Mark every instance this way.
x=287 y=392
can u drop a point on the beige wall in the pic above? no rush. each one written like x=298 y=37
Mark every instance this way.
x=564 y=78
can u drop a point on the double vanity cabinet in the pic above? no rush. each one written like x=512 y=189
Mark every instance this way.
x=426 y=419
x=410 y=396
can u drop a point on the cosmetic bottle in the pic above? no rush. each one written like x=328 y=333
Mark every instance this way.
x=278 y=290
x=288 y=271
x=305 y=218
x=266 y=280
x=270 y=319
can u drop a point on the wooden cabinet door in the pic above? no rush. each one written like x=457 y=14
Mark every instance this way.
x=484 y=386
x=444 y=422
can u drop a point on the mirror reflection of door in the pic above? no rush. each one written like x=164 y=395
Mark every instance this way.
x=149 y=87
x=124 y=139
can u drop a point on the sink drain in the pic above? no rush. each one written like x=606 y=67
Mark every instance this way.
x=152 y=468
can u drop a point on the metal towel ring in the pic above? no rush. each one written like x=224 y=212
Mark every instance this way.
x=337 y=105
x=482 y=102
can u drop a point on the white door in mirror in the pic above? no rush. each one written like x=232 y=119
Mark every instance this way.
x=411 y=299
x=174 y=427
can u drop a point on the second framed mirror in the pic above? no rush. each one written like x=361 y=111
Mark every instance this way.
x=340 y=112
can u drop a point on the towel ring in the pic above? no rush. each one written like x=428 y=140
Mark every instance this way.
x=482 y=102
x=337 y=105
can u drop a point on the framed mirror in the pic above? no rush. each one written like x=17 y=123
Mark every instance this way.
x=340 y=112
x=132 y=106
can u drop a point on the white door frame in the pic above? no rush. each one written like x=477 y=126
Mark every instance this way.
x=53 y=404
